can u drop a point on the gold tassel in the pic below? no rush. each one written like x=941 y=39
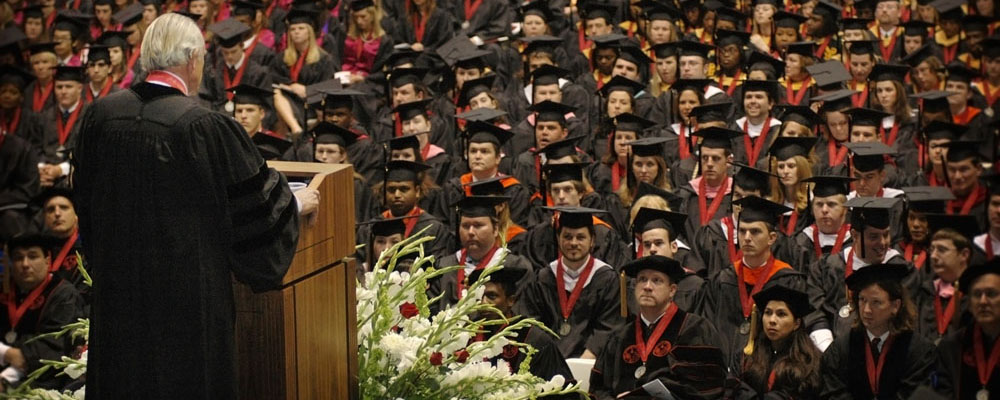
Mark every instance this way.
x=621 y=290
x=694 y=172
x=748 y=350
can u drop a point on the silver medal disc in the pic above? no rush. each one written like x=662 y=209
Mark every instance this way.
x=988 y=111
x=937 y=341
x=230 y=107
x=745 y=328
x=565 y=328
x=844 y=312
x=10 y=337
x=639 y=372
x=983 y=394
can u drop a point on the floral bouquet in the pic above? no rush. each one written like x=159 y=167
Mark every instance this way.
x=406 y=353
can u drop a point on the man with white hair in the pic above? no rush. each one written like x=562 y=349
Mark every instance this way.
x=173 y=200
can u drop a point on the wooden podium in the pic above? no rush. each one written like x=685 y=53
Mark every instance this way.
x=301 y=342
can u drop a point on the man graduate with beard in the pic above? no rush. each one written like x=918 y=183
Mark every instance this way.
x=637 y=352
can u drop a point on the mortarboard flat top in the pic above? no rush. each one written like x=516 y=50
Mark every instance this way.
x=799 y=114
x=961 y=150
x=711 y=112
x=915 y=27
x=732 y=15
x=479 y=206
x=965 y=225
x=651 y=218
x=229 y=32
x=888 y=72
x=246 y=7
x=192 y=16
x=973 y=273
x=868 y=156
x=549 y=110
x=454 y=48
x=927 y=198
x=300 y=15
x=673 y=201
x=562 y=172
x=634 y=55
x=44 y=47
x=68 y=73
x=575 y=217
x=28 y=240
x=976 y=23
x=327 y=133
x=855 y=23
x=612 y=40
x=758 y=209
x=16 y=76
x=958 y=71
x=949 y=9
x=31 y=11
x=933 y=101
x=408 y=111
x=114 y=39
x=697 y=85
x=129 y=15
x=664 y=50
x=785 y=19
x=358 y=5
x=829 y=73
x=943 y=130
x=11 y=37
x=875 y=273
x=387 y=226
x=861 y=116
x=829 y=9
x=648 y=147
x=402 y=76
x=658 y=11
x=544 y=43
x=668 y=266
x=481 y=114
x=540 y=8
x=725 y=37
x=830 y=185
x=992 y=182
x=693 y=48
x=484 y=132
x=717 y=137
x=805 y=49
x=339 y=98
x=487 y=187
x=547 y=74
x=786 y=147
x=861 y=47
x=871 y=211
x=98 y=52
x=269 y=146
x=762 y=61
x=770 y=87
x=632 y=123
x=835 y=101
x=991 y=47
x=560 y=148
x=71 y=20
x=915 y=58
x=474 y=88
x=622 y=83
x=404 y=171
x=404 y=142
x=596 y=9
x=796 y=301
x=750 y=178
x=506 y=275
x=401 y=57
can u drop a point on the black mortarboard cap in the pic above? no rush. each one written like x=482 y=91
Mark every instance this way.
x=785 y=19
x=619 y=82
x=916 y=27
x=658 y=11
x=299 y=15
x=835 y=101
x=474 y=88
x=28 y=240
x=888 y=72
x=487 y=187
x=192 y=16
x=992 y=183
x=726 y=37
x=229 y=32
x=694 y=84
x=98 y=52
x=786 y=147
x=648 y=147
x=402 y=76
x=611 y=40
x=976 y=23
x=405 y=142
x=960 y=150
x=800 y=114
x=634 y=54
x=950 y=10
x=712 y=112
x=957 y=71
x=693 y=48
x=44 y=47
x=454 y=48
x=10 y=39
x=717 y=138
x=871 y=211
x=327 y=133
x=806 y=49
x=404 y=171
x=943 y=130
x=555 y=173
x=481 y=114
x=507 y=275
x=973 y=273
x=129 y=15
x=544 y=43
x=358 y=5
x=16 y=76
x=114 y=39
x=861 y=47
x=868 y=156
x=770 y=87
x=829 y=185
x=575 y=217
x=71 y=20
x=758 y=209
x=68 y=73
x=387 y=226
x=412 y=109
x=651 y=218
x=933 y=101
x=750 y=178
x=480 y=206
x=828 y=73
x=246 y=7
x=664 y=50
x=991 y=47
x=670 y=267
x=484 y=132
x=855 y=23
x=632 y=123
x=927 y=199
x=866 y=116
x=596 y=9
x=673 y=201
x=549 y=110
x=339 y=98
x=875 y=273
x=402 y=56
x=31 y=11
x=731 y=14
x=561 y=148
x=540 y=8
x=269 y=146
x=829 y=9
x=547 y=74
x=918 y=56
x=762 y=61
x=797 y=301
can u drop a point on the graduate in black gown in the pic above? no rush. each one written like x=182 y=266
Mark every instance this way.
x=706 y=197
x=40 y=303
x=62 y=223
x=418 y=121
x=62 y=124
x=941 y=308
x=479 y=234
x=177 y=214
x=658 y=234
x=339 y=107
x=330 y=143
x=964 y=167
x=881 y=357
x=638 y=351
x=965 y=357
x=576 y=295
x=231 y=66
x=829 y=231
x=685 y=169
x=425 y=26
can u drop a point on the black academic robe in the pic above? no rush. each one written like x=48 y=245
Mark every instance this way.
x=448 y=284
x=439 y=29
x=594 y=316
x=614 y=370
x=740 y=153
x=29 y=98
x=720 y=303
x=29 y=127
x=827 y=290
x=540 y=245
x=524 y=167
x=68 y=270
x=712 y=245
x=316 y=72
x=214 y=84
x=490 y=20
x=54 y=150
x=927 y=320
x=167 y=185
x=804 y=240
x=691 y=207
x=957 y=376
x=907 y=365
x=20 y=180
x=440 y=247
x=519 y=203
x=58 y=305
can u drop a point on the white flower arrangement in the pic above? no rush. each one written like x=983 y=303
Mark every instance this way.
x=406 y=353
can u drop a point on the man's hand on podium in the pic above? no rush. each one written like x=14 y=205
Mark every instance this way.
x=308 y=203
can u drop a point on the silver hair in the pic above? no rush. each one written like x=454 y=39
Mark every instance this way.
x=171 y=40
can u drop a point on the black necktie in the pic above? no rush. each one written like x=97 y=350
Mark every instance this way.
x=875 y=350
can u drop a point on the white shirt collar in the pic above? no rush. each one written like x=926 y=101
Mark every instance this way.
x=882 y=338
x=239 y=64
x=71 y=109
x=648 y=322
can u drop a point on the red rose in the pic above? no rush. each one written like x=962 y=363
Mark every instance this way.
x=662 y=348
x=968 y=358
x=510 y=351
x=408 y=310
x=462 y=355
x=631 y=354
x=70 y=262
x=436 y=358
